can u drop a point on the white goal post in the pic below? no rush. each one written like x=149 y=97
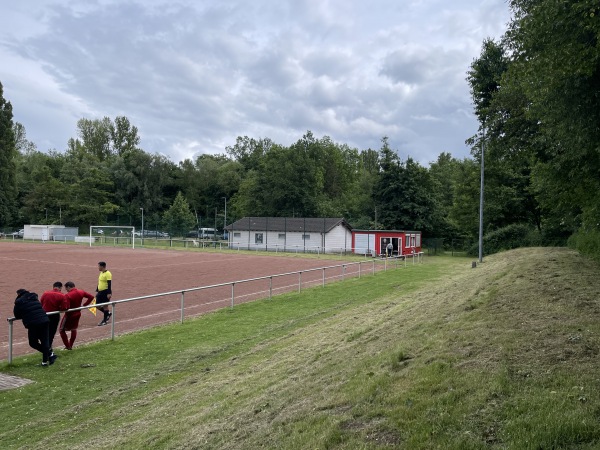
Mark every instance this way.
x=112 y=234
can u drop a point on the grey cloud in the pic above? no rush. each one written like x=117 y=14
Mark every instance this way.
x=194 y=75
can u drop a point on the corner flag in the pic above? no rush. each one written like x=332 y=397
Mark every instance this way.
x=93 y=308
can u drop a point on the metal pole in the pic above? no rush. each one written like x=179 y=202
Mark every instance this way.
x=299 y=281
x=232 y=294
x=182 y=304
x=10 y=341
x=323 y=276
x=270 y=287
x=142 y=227
x=225 y=218
x=112 y=322
x=481 y=200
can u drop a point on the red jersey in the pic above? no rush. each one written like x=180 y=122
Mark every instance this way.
x=54 y=300
x=75 y=298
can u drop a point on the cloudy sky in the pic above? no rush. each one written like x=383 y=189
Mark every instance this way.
x=194 y=75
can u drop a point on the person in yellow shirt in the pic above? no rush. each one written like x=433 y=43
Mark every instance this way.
x=104 y=292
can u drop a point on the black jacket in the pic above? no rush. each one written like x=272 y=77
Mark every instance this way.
x=29 y=309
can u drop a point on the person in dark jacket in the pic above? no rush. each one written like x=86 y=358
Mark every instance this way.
x=29 y=309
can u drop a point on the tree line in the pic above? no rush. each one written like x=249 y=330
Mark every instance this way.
x=536 y=94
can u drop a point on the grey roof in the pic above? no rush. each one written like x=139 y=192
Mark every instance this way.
x=291 y=224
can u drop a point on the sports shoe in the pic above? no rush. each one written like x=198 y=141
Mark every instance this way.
x=108 y=317
x=102 y=322
x=44 y=364
x=53 y=358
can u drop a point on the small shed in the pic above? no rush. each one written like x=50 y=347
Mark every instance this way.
x=291 y=234
x=374 y=242
x=50 y=232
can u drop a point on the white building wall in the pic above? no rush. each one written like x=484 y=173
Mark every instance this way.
x=337 y=240
x=39 y=232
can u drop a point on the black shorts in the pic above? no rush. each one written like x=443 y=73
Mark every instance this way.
x=101 y=297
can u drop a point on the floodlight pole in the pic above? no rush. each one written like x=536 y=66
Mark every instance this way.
x=481 y=200
x=225 y=218
x=142 y=227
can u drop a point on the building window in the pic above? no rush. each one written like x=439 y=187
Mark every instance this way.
x=306 y=237
x=281 y=236
x=237 y=235
x=408 y=241
x=419 y=240
x=258 y=238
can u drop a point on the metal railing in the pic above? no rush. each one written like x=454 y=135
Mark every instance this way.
x=386 y=262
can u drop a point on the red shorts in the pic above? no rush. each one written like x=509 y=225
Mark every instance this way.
x=70 y=321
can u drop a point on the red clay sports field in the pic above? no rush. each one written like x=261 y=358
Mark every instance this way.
x=142 y=271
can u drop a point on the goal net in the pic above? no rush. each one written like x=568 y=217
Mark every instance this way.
x=112 y=235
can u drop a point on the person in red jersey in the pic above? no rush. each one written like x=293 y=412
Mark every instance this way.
x=51 y=301
x=70 y=321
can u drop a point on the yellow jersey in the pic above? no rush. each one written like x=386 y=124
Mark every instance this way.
x=103 y=280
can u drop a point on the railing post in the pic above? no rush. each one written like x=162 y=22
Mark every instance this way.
x=373 y=267
x=323 y=276
x=270 y=287
x=112 y=322
x=232 y=294
x=343 y=271
x=359 y=264
x=182 y=304
x=299 y=281
x=10 y=340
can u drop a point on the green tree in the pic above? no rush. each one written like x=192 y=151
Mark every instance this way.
x=95 y=137
x=510 y=140
x=555 y=48
x=42 y=193
x=8 y=185
x=89 y=190
x=249 y=151
x=141 y=180
x=443 y=173
x=178 y=219
x=124 y=136
x=464 y=213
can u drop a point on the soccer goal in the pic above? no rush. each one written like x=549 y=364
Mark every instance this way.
x=112 y=235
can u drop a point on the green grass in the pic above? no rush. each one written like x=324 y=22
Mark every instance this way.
x=437 y=355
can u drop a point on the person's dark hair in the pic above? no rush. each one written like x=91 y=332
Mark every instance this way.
x=57 y=284
x=69 y=284
x=102 y=264
x=22 y=292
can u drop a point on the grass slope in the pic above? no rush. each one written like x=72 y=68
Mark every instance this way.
x=432 y=356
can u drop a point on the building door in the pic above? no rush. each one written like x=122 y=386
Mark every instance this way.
x=396 y=245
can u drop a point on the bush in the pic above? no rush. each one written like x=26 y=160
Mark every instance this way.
x=587 y=243
x=506 y=238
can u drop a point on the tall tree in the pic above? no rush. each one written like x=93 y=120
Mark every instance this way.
x=8 y=185
x=556 y=48
x=179 y=219
x=509 y=140
x=96 y=136
x=124 y=135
